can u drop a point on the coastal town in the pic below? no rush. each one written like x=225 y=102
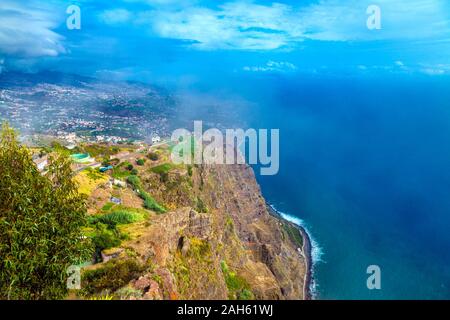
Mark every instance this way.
x=83 y=110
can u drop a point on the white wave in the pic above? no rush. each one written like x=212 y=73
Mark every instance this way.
x=316 y=250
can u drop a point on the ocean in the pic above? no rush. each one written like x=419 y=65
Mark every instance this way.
x=364 y=166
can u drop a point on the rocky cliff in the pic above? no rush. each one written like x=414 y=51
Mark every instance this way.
x=217 y=241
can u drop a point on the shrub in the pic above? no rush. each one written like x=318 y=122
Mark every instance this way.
x=41 y=221
x=108 y=206
x=135 y=182
x=238 y=288
x=106 y=162
x=163 y=168
x=140 y=162
x=105 y=238
x=118 y=216
x=153 y=156
x=246 y=295
x=201 y=206
x=149 y=202
x=114 y=275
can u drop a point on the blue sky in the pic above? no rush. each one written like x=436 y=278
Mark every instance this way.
x=180 y=42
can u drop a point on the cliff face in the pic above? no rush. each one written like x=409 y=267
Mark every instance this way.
x=217 y=241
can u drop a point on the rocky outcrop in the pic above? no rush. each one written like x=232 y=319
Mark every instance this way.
x=235 y=249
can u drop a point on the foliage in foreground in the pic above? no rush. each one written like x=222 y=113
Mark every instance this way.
x=41 y=217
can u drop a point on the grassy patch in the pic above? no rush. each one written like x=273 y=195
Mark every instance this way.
x=120 y=215
x=97 y=150
x=294 y=234
x=94 y=174
x=122 y=171
x=112 y=276
x=149 y=202
x=105 y=237
x=163 y=168
x=108 y=206
x=201 y=206
x=196 y=263
x=103 y=228
x=238 y=288
x=88 y=181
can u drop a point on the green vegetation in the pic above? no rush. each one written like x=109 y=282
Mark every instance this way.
x=122 y=170
x=112 y=276
x=197 y=261
x=94 y=174
x=153 y=156
x=105 y=237
x=98 y=150
x=149 y=202
x=163 y=168
x=118 y=216
x=140 y=162
x=88 y=180
x=41 y=221
x=108 y=206
x=163 y=171
x=104 y=227
x=294 y=234
x=238 y=288
x=201 y=206
x=59 y=148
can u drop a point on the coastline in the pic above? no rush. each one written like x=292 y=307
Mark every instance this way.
x=306 y=252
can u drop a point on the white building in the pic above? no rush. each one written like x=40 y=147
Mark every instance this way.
x=120 y=183
x=156 y=139
x=41 y=163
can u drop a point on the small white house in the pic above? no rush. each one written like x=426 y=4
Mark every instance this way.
x=71 y=146
x=156 y=139
x=41 y=163
x=120 y=183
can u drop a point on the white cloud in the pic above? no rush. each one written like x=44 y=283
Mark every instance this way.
x=331 y=20
x=26 y=30
x=272 y=66
x=116 y=16
x=246 y=25
x=233 y=26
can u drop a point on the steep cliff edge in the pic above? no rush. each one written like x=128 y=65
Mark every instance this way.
x=217 y=240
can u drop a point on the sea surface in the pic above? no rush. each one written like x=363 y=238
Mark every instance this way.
x=365 y=166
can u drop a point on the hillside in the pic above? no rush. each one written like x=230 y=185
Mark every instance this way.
x=187 y=232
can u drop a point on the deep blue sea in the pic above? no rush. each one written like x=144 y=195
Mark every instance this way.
x=365 y=163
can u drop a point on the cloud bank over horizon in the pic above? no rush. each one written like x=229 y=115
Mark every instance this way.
x=26 y=30
x=247 y=25
x=144 y=31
